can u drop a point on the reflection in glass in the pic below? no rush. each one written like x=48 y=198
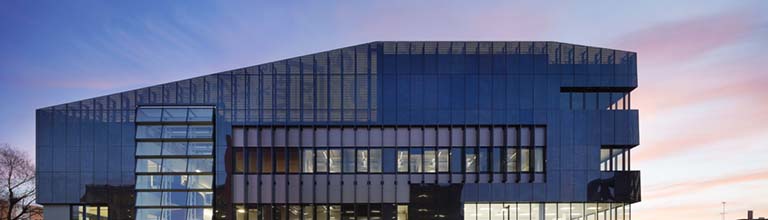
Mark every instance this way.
x=200 y=148
x=308 y=164
x=470 y=160
x=148 y=148
x=200 y=131
x=174 y=148
x=417 y=165
x=538 y=160
x=148 y=115
x=175 y=114
x=174 y=131
x=362 y=160
x=200 y=165
x=456 y=162
x=174 y=214
x=174 y=165
x=148 y=131
x=148 y=198
x=402 y=160
x=430 y=161
x=148 y=181
x=334 y=161
x=200 y=182
x=376 y=166
x=321 y=158
x=200 y=198
x=148 y=165
x=148 y=214
x=511 y=160
x=200 y=114
x=442 y=160
x=525 y=156
x=174 y=199
x=482 y=160
x=496 y=160
x=349 y=161
x=175 y=182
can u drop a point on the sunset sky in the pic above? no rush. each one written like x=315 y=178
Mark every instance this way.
x=702 y=95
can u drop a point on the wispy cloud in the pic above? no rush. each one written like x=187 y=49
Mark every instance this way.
x=692 y=186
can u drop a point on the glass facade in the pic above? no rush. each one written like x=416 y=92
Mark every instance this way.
x=377 y=130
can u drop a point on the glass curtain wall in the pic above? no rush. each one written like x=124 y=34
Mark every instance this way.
x=547 y=211
x=174 y=163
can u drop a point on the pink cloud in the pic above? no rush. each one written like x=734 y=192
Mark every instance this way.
x=673 y=42
x=690 y=186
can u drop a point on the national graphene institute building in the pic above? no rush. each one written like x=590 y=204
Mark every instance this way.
x=377 y=131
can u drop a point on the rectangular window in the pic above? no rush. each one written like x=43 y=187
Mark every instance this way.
x=375 y=161
x=334 y=161
x=512 y=159
x=253 y=160
x=470 y=164
x=148 y=114
x=496 y=161
x=148 y=148
x=294 y=161
x=175 y=199
x=200 y=131
x=525 y=159
x=148 y=181
x=457 y=162
x=266 y=160
x=174 y=165
x=402 y=160
x=482 y=160
x=175 y=131
x=148 y=165
x=280 y=160
x=200 y=114
x=149 y=214
x=322 y=160
x=148 y=131
x=417 y=163
x=200 y=198
x=174 y=148
x=389 y=160
x=538 y=160
x=200 y=165
x=148 y=198
x=200 y=182
x=430 y=161
x=175 y=181
x=349 y=160
x=174 y=114
x=443 y=159
x=362 y=160
x=308 y=163
x=200 y=148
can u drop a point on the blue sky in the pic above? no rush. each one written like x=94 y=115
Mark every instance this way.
x=702 y=86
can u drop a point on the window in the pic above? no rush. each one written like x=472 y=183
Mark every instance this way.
x=496 y=160
x=253 y=160
x=200 y=114
x=512 y=160
x=362 y=160
x=169 y=214
x=200 y=165
x=148 y=131
x=174 y=148
x=148 y=148
x=200 y=148
x=470 y=160
x=375 y=160
x=280 y=160
x=349 y=160
x=174 y=199
x=148 y=165
x=175 y=182
x=417 y=165
x=148 y=214
x=175 y=131
x=525 y=159
x=148 y=198
x=148 y=181
x=148 y=115
x=200 y=131
x=200 y=182
x=266 y=160
x=430 y=161
x=334 y=161
x=442 y=160
x=538 y=160
x=200 y=198
x=174 y=114
x=322 y=160
x=456 y=160
x=294 y=161
x=389 y=158
x=402 y=160
x=482 y=160
x=174 y=165
x=308 y=165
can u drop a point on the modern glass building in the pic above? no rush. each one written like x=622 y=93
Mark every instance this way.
x=382 y=130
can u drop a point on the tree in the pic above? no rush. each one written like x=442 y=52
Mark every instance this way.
x=17 y=183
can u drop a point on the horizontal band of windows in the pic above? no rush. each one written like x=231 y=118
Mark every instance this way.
x=174 y=148
x=174 y=165
x=329 y=211
x=532 y=211
x=175 y=114
x=390 y=160
x=189 y=199
x=149 y=182
x=523 y=135
x=174 y=131
x=201 y=213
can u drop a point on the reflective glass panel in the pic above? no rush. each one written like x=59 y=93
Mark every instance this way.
x=482 y=160
x=174 y=148
x=148 y=131
x=362 y=160
x=538 y=160
x=148 y=214
x=200 y=198
x=175 y=114
x=334 y=161
x=200 y=148
x=511 y=160
x=175 y=181
x=442 y=160
x=417 y=163
x=525 y=163
x=402 y=160
x=200 y=182
x=470 y=160
x=148 y=181
x=321 y=158
x=148 y=198
x=148 y=148
x=148 y=165
x=174 y=199
x=200 y=131
x=148 y=115
x=175 y=131
x=349 y=160
x=375 y=160
x=308 y=165
x=200 y=114
x=430 y=161
x=174 y=214
x=200 y=165
x=174 y=165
